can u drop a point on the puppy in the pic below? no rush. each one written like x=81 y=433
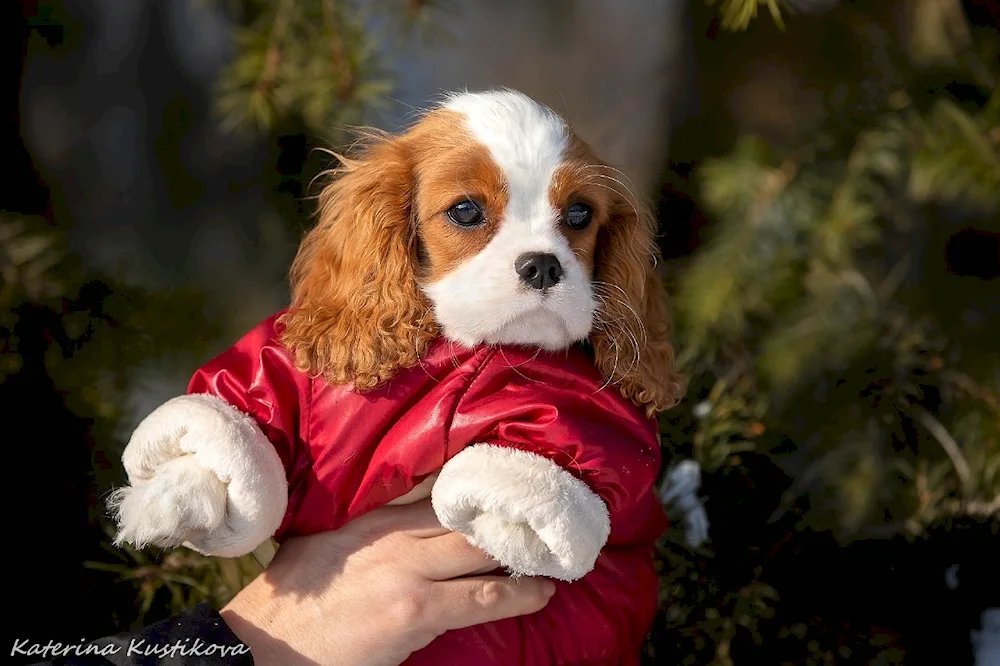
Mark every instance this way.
x=477 y=315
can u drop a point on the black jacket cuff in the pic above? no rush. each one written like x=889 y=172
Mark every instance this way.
x=197 y=637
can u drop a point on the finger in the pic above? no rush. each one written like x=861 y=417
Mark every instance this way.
x=417 y=519
x=451 y=556
x=471 y=601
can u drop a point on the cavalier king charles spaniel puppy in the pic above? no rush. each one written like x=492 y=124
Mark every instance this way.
x=476 y=317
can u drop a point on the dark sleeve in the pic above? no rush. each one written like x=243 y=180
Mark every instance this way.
x=196 y=637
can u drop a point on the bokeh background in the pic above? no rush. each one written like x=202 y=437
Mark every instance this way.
x=827 y=179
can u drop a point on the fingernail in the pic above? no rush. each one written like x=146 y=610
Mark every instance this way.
x=549 y=588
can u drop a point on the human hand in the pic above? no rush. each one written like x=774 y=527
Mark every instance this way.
x=374 y=592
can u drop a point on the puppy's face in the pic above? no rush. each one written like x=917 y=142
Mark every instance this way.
x=487 y=222
x=509 y=205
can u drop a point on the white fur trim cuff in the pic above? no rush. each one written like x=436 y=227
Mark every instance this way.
x=532 y=516
x=203 y=475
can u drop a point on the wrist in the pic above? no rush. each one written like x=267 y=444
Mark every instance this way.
x=255 y=616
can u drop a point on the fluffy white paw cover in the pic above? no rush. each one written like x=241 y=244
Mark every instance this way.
x=532 y=516
x=203 y=475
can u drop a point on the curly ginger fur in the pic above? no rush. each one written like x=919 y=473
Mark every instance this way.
x=631 y=336
x=357 y=313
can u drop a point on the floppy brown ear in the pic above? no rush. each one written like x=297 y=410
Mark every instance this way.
x=632 y=333
x=357 y=314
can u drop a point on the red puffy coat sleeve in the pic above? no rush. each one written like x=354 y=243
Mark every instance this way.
x=258 y=376
x=559 y=408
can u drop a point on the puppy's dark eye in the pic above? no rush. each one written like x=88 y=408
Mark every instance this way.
x=578 y=216
x=466 y=214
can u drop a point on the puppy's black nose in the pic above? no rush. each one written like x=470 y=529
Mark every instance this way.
x=539 y=270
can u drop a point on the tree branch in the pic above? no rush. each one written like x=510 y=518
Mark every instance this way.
x=947 y=442
x=338 y=53
x=272 y=59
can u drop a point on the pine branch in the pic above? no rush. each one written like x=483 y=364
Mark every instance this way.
x=30 y=255
x=737 y=14
x=313 y=62
x=338 y=52
x=272 y=59
x=783 y=277
x=754 y=257
x=964 y=382
x=956 y=157
x=947 y=442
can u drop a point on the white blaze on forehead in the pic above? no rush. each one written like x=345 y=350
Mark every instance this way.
x=525 y=139
x=483 y=299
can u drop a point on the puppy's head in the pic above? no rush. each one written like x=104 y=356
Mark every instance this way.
x=488 y=221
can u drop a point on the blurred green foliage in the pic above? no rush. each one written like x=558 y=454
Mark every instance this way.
x=737 y=14
x=797 y=282
x=314 y=63
x=817 y=331
x=177 y=579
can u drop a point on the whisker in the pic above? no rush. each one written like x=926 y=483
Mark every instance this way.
x=618 y=346
x=614 y=345
x=416 y=350
x=625 y=304
x=627 y=199
x=627 y=189
x=631 y=184
x=515 y=367
x=614 y=370
x=592 y=179
x=609 y=321
x=573 y=463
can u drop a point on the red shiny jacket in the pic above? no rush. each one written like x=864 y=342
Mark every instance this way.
x=346 y=453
